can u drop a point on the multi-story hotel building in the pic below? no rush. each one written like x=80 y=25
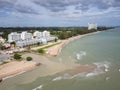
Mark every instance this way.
x=92 y=26
x=46 y=34
x=26 y=36
x=37 y=34
x=13 y=37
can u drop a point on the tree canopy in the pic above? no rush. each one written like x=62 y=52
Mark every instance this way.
x=29 y=58
x=17 y=56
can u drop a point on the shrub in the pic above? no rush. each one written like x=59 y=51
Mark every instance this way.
x=17 y=56
x=29 y=58
x=13 y=43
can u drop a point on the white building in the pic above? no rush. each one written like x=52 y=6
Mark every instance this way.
x=44 y=41
x=37 y=34
x=26 y=36
x=27 y=42
x=92 y=26
x=13 y=37
x=51 y=38
x=46 y=34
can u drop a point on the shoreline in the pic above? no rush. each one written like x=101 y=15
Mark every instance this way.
x=14 y=68
x=55 y=50
x=11 y=69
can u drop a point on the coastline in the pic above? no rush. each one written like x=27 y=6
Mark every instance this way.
x=11 y=69
x=14 y=68
x=55 y=50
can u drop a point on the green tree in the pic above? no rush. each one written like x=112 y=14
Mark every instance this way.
x=17 y=56
x=5 y=34
x=13 y=43
x=29 y=58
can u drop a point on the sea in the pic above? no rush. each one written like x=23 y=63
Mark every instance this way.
x=101 y=49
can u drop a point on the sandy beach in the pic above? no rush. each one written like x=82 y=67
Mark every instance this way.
x=55 y=50
x=15 y=67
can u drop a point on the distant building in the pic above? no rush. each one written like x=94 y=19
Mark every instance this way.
x=26 y=36
x=24 y=43
x=52 y=38
x=92 y=26
x=44 y=41
x=13 y=37
x=37 y=34
x=46 y=34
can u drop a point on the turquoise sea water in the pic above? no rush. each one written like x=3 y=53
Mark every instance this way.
x=102 y=49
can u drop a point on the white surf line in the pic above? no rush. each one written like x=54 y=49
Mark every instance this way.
x=57 y=78
x=39 y=87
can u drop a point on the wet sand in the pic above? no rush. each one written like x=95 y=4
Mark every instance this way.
x=83 y=68
x=55 y=50
x=49 y=67
x=15 y=67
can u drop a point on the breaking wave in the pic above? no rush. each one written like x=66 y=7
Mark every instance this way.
x=97 y=71
x=104 y=64
x=101 y=67
x=39 y=87
x=80 y=55
x=65 y=76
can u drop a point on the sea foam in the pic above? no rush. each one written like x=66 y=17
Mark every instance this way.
x=101 y=67
x=80 y=55
x=104 y=64
x=39 y=87
x=65 y=76
x=57 y=78
x=97 y=71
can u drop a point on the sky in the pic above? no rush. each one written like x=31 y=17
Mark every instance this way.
x=61 y=13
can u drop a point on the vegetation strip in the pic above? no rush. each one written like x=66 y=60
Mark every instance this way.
x=50 y=45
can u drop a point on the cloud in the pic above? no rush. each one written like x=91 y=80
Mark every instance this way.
x=30 y=6
x=60 y=5
x=26 y=6
x=48 y=12
x=52 y=5
x=6 y=3
x=19 y=6
x=27 y=10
